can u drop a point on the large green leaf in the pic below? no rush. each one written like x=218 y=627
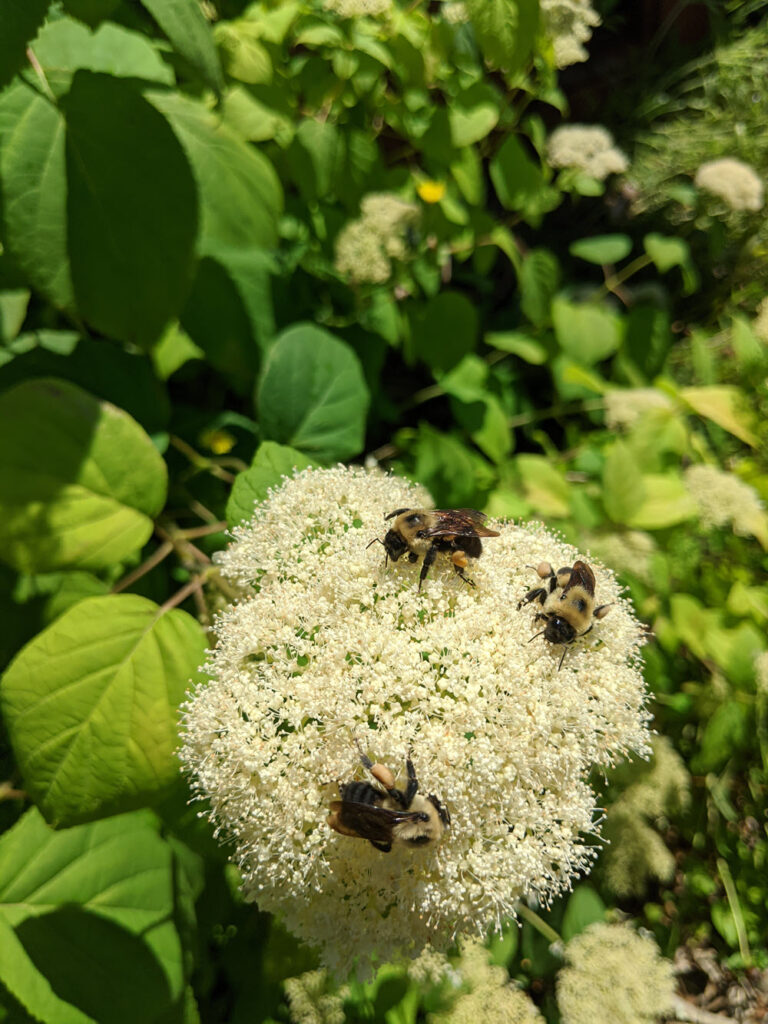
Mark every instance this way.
x=132 y=210
x=91 y=705
x=584 y=907
x=505 y=30
x=19 y=21
x=725 y=405
x=79 y=479
x=65 y=45
x=623 y=487
x=473 y=114
x=315 y=158
x=312 y=394
x=270 y=464
x=90 y=11
x=539 y=281
x=545 y=487
x=666 y=503
x=240 y=195
x=34 y=192
x=190 y=34
x=586 y=331
x=519 y=181
x=87 y=920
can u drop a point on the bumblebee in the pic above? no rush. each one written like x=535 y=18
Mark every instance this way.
x=567 y=603
x=388 y=815
x=423 y=533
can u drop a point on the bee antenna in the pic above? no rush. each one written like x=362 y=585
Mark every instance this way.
x=376 y=540
x=535 y=635
x=565 y=650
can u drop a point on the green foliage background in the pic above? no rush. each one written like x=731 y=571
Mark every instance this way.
x=176 y=180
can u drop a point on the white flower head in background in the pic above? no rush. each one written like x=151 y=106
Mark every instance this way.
x=587 y=147
x=735 y=182
x=569 y=24
x=329 y=648
x=625 y=406
x=614 y=974
x=358 y=8
x=366 y=246
x=723 y=498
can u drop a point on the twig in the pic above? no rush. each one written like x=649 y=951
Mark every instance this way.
x=181 y=595
x=203 y=531
x=684 y=1010
x=199 y=461
x=148 y=564
x=9 y=792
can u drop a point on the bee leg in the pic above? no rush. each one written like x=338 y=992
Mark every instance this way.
x=384 y=847
x=459 y=560
x=539 y=594
x=413 y=783
x=429 y=558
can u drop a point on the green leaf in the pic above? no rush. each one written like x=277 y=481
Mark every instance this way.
x=79 y=479
x=444 y=330
x=87 y=920
x=623 y=486
x=13 y=309
x=90 y=11
x=667 y=502
x=20 y=20
x=667 y=252
x=131 y=210
x=518 y=344
x=584 y=908
x=587 y=332
x=519 y=182
x=473 y=114
x=467 y=171
x=190 y=34
x=34 y=192
x=91 y=705
x=545 y=488
x=65 y=45
x=539 y=281
x=314 y=158
x=312 y=394
x=747 y=347
x=505 y=30
x=725 y=405
x=240 y=195
x=602 y=249
x=727 y=731
x=246 y=58
x=270 y=464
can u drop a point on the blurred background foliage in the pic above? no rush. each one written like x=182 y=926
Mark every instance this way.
x=241 y=237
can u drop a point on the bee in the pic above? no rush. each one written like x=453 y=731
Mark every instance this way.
x=423 y=533
x=388 y=815
x=567 y=603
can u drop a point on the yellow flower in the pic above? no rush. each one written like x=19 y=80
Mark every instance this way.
x=219 y=441
x=431 y=191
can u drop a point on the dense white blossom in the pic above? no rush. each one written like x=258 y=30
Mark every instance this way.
x=735 y=182
x=569 y=24
x=722 y=498
x=625 y=406
x=614 y=974
x=366 y=246
x=329 y=648
x=587 y=147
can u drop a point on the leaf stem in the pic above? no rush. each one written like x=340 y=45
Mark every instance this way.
x=9 y=792
x=200 y=461
x=146 y=566
x=612 y=282
x=538 y=923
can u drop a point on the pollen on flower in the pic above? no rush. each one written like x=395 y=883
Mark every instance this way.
x=569 y=24
x=613 y=973
x=330 y=648
x=589 y=148
x=733 y=181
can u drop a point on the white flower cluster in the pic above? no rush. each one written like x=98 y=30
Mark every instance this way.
x=358 y=8
x=310 y=1003
x=613 y=974
x=733 y=181
x=722 y=498
x=625 y=406
x=569 y=24
x=367 y=245
x=587 y=147
x=455 y=12
x=330 y=648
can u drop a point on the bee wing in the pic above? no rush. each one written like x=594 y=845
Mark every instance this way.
x=368 y=821
x=459 y=522
x=581 y=576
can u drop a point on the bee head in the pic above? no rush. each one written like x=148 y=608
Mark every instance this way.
x=394 y=544
x=559 y=631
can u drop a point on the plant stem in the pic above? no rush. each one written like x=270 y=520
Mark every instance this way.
x=612 y=283
x=538 y=923
x=733 y=901
x=149 y=563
